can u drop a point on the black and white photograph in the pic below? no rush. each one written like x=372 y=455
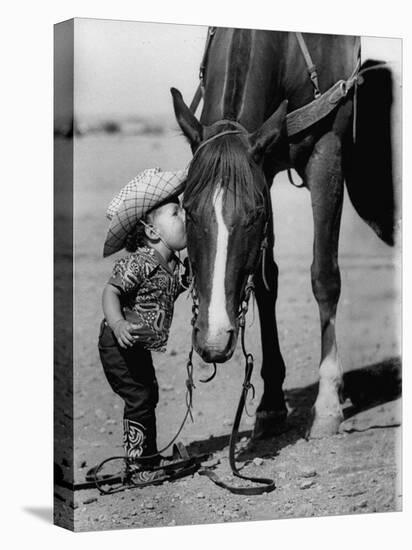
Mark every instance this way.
x=227 y=274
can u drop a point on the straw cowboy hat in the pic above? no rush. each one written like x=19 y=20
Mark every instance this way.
x=135 y=200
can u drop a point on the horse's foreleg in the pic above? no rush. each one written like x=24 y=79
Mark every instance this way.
x=271 y=413
x=325 y=181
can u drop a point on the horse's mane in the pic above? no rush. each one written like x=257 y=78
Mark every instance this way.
x=223 y=161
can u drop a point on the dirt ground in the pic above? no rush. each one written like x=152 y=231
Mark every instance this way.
x=356 y=471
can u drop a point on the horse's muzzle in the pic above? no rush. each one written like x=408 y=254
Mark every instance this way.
x=216 y=348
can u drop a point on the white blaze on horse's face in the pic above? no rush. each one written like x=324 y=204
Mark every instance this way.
x=219 y=326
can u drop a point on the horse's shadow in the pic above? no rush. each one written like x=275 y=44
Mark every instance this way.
x=363 y=389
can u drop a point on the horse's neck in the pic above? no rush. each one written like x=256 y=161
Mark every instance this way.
x=238 y=59
x=250 y=72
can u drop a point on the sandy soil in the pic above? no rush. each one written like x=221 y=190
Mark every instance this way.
x=356 y=471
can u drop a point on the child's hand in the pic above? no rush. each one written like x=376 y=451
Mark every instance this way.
x=123 y=330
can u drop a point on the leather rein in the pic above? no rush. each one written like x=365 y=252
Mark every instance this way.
x=265 y=485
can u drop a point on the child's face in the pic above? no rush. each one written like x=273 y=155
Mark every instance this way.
x=170 y=222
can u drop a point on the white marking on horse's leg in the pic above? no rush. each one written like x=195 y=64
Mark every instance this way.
x=218 y=318
x=327 y=408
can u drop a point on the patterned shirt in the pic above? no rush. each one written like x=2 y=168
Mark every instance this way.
x=148 y=292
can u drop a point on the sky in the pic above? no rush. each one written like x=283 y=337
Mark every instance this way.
x=127 y=68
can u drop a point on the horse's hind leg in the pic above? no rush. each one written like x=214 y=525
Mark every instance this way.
x=325 y=181
x=271 y=413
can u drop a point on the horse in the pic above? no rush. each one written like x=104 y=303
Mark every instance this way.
x=253 y=81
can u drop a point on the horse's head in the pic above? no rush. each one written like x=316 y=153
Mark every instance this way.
x=227 y=207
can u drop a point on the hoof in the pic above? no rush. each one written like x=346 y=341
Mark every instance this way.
x=269 y=424
x=324 y=426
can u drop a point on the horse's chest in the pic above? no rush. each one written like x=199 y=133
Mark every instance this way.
x=289 y=155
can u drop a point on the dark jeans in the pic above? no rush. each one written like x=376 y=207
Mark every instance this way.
x=131 y=375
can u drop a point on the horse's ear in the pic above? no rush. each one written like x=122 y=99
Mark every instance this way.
x=187 y=121
x=269 y=133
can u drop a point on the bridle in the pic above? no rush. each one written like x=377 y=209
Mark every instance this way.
x=266 y=485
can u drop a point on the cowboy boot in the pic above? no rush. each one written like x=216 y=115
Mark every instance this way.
x=140 y=441
x=133 y=438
